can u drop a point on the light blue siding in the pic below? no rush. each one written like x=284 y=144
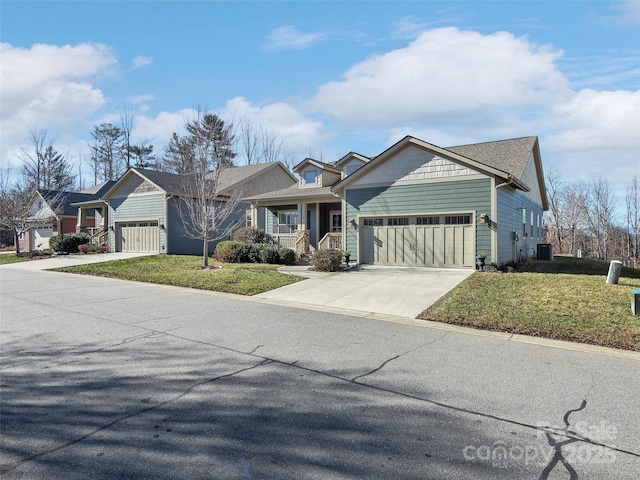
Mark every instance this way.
x=135 y=208
x=473 y=196
x=510 y=205
x=182 y=244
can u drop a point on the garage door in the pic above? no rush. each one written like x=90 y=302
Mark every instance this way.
x=425 y=241
x=137 y=237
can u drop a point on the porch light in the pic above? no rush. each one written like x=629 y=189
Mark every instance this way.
x=352 y=222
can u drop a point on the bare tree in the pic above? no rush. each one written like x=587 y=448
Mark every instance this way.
x=127 y=115
x=555 y=214
x=206 y=210
x=258 y=145
x=17 y=214
x=599 y=207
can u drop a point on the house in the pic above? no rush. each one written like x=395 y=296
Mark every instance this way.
x=53 y=212
x=415 y=204
x=139 y=213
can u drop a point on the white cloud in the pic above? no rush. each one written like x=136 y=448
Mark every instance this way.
x=444 y=72
x=597 y=119
x=141 y=61
x=298 y=133
x=158 y=129
x=290 y=38
x=48 y=86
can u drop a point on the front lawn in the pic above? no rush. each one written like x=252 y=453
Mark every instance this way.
x=7 y=258
x=181 y=271
x=566 y=299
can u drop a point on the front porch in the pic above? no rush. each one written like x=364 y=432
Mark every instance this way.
x=303 y=227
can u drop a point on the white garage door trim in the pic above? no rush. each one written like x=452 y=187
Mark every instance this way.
x=446 y=240
x=139 y=236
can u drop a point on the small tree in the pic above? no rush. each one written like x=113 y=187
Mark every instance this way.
x=205 y=210
x=16 y=214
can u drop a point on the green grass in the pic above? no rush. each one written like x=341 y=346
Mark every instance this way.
x=567 y=299
x=7 y=258
x=182 y=271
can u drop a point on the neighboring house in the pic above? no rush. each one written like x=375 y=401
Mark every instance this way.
x=54 y=212
x=415 y=204
x=139 y=212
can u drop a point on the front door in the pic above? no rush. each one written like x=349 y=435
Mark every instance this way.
x=336 y=221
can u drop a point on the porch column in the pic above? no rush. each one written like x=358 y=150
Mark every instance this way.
x=79 y=222
x=254 y=216
x=302 y=215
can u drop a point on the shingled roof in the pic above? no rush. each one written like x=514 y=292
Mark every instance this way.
x=175 y=184
x=510 y=156
x=66 y=200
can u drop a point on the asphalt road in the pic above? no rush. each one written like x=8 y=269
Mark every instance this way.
x=106 y=379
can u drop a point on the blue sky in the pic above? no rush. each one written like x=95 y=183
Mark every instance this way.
x=333 y=76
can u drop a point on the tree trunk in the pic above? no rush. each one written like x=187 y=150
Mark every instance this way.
x=16 y=241
x=205 y=252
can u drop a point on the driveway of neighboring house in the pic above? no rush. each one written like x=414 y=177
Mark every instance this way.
x=71 y=260
x=396 y=291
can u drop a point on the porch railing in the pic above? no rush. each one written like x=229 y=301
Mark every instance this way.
x=287 y=240
x=331 y=241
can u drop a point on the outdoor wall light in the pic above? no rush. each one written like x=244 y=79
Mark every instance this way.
x=352 y=222
x=111 y=228
x=162 y=226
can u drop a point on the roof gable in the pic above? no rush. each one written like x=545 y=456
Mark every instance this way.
x=496 y=170
x=315 y=163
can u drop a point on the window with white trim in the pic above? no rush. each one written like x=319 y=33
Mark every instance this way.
x=398 y=221
x=287 y=221
x=457 y=219
x=310 y=177
x=372 y=222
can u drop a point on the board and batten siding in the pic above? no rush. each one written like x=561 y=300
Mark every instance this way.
x=510 y=203
x=138 y=208
x=460 y=196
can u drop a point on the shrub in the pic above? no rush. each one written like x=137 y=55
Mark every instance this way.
x=286 y=256
x=250 y=235
x=84 y=248
x=242 y=252
x=71 y=242
x=328 y=260
x=224 y=251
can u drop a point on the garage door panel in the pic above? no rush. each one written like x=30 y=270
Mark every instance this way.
x=436 y=245
x=137 y=237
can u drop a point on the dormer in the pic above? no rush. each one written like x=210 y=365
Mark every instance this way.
x=350 y=163
x=314 y=173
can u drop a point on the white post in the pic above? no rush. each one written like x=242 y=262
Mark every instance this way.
x=615 y=268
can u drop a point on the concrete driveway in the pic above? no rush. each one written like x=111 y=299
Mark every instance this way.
x=71 y=260
x=401 y=292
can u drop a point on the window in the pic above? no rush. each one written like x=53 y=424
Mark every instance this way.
x=310 y=177
x=287 y=221
x=398 y=221
x=352 y=168
x=372 y=222
x=247 y=218
x=428 y=220
x=457 y=219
